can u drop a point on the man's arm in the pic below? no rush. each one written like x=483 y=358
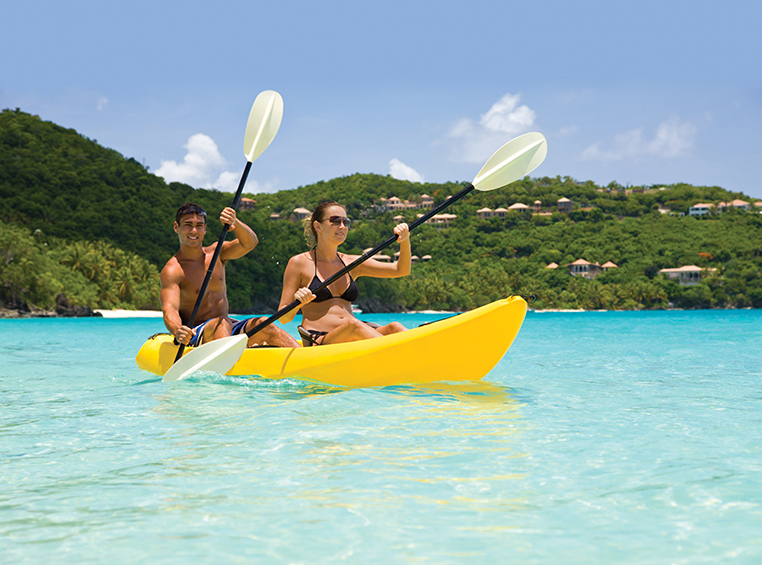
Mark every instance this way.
x=245 y=241
x=170 y=304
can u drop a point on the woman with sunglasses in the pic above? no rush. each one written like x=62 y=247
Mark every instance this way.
x=327 y=316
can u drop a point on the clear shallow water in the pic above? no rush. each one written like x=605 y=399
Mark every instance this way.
x=600 y=437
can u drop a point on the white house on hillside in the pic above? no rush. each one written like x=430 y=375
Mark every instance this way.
x=700 y=209
x=687 y=275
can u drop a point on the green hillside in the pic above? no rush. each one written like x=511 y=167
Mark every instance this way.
x=84 y=220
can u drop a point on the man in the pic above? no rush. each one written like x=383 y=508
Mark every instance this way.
x=183 y=276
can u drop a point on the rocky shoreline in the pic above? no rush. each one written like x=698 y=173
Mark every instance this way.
x=20 y=309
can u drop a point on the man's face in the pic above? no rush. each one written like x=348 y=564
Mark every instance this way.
x=191 y=229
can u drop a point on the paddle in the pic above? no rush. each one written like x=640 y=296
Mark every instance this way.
x=264 y=121
x=511 y=162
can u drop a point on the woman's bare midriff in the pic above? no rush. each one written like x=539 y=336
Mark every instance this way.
x=325 y=316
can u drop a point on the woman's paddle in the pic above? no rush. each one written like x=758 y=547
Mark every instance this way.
x=264 y=121
x=513 y=161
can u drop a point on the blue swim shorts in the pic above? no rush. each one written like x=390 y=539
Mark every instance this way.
x=238 y=327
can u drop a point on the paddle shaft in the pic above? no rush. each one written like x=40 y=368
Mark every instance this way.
x=215 y=256
x=425 y=218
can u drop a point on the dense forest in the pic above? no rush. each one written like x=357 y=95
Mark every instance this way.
x=85 y=221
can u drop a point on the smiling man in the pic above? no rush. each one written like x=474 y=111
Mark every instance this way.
x=183 y=276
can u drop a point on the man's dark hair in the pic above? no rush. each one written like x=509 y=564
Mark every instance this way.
x=189 y=208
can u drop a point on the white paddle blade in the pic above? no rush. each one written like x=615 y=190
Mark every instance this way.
x=264 y=121
x=513 y=161
x=217 y=356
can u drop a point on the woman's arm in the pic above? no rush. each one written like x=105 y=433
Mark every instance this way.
x=293 y=288
x=374 y=268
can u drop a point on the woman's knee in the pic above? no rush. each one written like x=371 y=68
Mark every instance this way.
x=360 y=328
x=394 y=327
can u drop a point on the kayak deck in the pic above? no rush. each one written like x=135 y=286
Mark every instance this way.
x=463 y=347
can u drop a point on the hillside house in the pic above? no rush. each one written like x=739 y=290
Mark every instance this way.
x=440 y=220
x=700 y=209
x=688 y=275
x=380 y=205
x=413 y=258
x=247 y=204
x=582 y=268
x=395 y=203
x=565 y=205
x=484 y=213
x=737 y=204
x=301 y=213
x=378 y=256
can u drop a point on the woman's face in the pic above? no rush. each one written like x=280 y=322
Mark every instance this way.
x=333 y=226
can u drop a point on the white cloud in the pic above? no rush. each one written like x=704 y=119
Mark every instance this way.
x=506 y=116
x=673 y=138
x=227 y=182
x=401 y=171
x=102 y=103
x=476 y=141
x=202 y=164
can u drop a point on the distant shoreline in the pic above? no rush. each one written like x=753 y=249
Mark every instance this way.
x=129 y=313
x=115 y=314
x=158 y=314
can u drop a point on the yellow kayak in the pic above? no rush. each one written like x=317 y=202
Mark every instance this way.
x=463 y=347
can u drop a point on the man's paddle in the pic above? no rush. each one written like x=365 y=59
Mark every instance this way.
x=264 y=121
x=511 y=162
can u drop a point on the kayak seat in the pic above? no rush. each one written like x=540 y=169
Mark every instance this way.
x=307 y=340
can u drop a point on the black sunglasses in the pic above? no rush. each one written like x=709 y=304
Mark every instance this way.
x=338 y=220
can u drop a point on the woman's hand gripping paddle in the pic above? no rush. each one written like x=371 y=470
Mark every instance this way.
x=264 y=121
x=513 y=161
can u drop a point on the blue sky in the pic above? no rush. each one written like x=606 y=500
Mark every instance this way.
x=645 y=92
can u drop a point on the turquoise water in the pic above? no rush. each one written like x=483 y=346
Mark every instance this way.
x=601 y=437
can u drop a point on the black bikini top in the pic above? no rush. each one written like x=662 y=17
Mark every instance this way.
x=350 y=294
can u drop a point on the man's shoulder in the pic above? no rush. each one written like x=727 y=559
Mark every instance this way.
x=172 y=263
x=172 y=269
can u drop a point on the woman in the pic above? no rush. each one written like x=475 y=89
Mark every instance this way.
x=327 y=317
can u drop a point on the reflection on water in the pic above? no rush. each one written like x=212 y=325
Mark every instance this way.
x=459 y=437
x=294 y=389
x=474 y=392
